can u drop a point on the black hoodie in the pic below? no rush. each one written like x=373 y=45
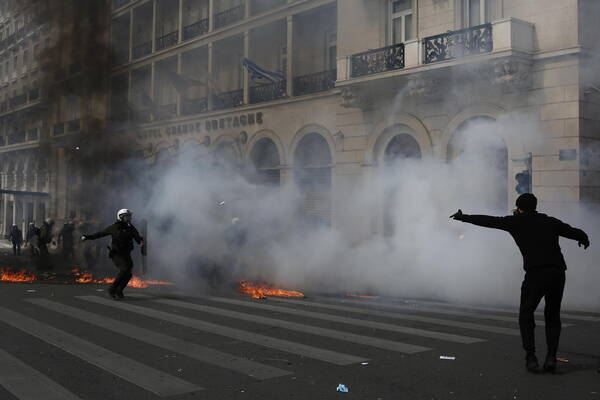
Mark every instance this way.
x=536 y=236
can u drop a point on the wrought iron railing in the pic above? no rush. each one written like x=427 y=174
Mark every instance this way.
x=196 y=106
x=16 y=137
x=234 y=98
x=168 y=40
x=313 y=83
x=34 y=94
x=165 y=111
x=119 y=3
x=229 y=16
x=387 y=58
x=142 y=49
x=32 y=134
x=267 y=92
x=74 y=125
x=58 y=128
x=456 y=44
x=18 y=100
x=195 y=29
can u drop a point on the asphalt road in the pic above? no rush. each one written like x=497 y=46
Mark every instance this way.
x=68 y=342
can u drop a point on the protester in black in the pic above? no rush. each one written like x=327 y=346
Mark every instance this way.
x=536 y=235
x=66 y=236
x=16 y=238
x=123 y=234
x=31 y=238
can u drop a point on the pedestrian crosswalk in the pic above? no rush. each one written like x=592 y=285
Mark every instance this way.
x=232 y=336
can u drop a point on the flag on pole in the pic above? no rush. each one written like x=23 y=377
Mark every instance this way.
x=260 y=74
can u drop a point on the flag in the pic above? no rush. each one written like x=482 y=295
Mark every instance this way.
x=260 y=74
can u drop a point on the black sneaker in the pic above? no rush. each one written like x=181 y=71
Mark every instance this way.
x=119 y=293
x=550 y=364
x=531 y=363
x=111 y=293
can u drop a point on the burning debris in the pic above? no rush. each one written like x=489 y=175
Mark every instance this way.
x=262 y=290
x=6 y=274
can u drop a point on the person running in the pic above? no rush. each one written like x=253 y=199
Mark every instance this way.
x=123 y=233
x=16 y=238
x=536 y=235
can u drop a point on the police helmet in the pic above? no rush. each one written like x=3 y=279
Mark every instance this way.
x=124 y=214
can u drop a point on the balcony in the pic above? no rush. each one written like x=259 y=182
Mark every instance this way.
x=370 y=62
x=229 y=16
x=196 y=29
x=234 y=98
x=168 y=40
x=196 y=106
x=58 y=128
x=313 y=83
x=165 y=111
x=18 y=101
x=74 y=125
x=16 y=137
x=267 y=92
x=142 y=50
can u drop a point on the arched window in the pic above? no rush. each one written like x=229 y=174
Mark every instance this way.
x=477 y=144
x=265 y=159
x=312 y=160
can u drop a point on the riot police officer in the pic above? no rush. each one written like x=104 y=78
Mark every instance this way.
x=123 y=233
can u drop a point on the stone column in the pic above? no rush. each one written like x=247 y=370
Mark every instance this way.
x=153 y=26
x=5 y=214
x=180 y=21
x=209 y=68
x=130 y=34
x=289 y=73
x=36 y=205
x=211 y=13
x=246 y=83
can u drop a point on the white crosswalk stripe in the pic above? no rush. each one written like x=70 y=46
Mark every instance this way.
x=150 y=379
x=238 y=334
x=192 y=350
x=310 y=329
x=26 y=383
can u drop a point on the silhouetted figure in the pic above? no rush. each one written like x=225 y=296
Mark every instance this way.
x=16 y=238
x=123 y=233
x=537 y=237
x=66 y=236
x=44 y=239
x=31 y=238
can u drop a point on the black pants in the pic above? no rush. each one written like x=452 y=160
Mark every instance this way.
x=125 y=264
x=548 y=283
x=16 y=248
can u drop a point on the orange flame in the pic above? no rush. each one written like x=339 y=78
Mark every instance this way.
x=261 y=290
x=9 y=275
x=136 y=281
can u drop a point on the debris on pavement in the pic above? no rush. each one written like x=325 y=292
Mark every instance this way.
x=447 y=358
x=364 y=363
x=30 y=290
x=342 y=388
x=562 y=360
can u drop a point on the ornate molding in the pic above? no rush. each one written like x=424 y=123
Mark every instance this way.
x=424 y=87
x=512 y=75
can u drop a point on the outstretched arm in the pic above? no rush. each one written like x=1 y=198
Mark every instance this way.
x=566 y=230
x=485 y=221
x=107 y=231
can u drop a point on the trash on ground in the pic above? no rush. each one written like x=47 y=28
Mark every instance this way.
x=447 y=358
x=30 y=290
x=342 y=388
x=99 y=290
x=364 y=363
x=563 y=360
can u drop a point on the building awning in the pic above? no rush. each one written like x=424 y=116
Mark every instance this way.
x=24 y=193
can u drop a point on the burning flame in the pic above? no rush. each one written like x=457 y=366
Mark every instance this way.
x=261 y=290
x=136 y=281
x=9 y=275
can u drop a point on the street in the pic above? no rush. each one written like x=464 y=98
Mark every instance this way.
x=66 y=341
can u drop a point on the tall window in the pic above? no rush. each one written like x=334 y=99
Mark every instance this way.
x=331 y=50
x=401 y=20
x=477 y=12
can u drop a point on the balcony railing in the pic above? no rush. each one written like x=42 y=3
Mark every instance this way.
x=196 y=106
x=32 y=134
x=166 y=111
x=313 y=83
x=142 y=50
x=34 y=94
x=58 y=128
x=379 y=60
x=234 y=98
x=229 y=16
x=74 y=125
x=268 y=92
x=196 y=29
x=168 y=40
x=16 y=137
x=457 y=44
x=119 y=3
x=18 y=100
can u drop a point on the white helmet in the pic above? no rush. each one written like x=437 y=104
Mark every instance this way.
x=124 y=214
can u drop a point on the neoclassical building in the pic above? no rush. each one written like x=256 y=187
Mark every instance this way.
x=364 y=82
